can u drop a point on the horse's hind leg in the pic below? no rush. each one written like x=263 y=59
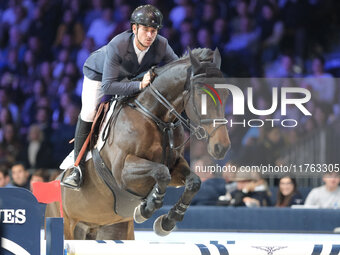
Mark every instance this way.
x=166 y=223
x=118 y=231
x=138 y=176
x=69 y=227
x=52 y=210
x=82 y=231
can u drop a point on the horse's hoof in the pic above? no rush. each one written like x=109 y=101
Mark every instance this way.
x=137 y=215
x=157 y=227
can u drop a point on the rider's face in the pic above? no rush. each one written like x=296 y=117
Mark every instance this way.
x=146 y=36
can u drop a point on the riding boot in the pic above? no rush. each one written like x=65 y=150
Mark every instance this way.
x=75 y=179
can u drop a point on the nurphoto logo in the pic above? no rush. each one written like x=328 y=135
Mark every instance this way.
x=287 y=98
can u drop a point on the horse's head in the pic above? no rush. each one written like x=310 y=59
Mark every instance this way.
x=203 y=77
x=179 y=86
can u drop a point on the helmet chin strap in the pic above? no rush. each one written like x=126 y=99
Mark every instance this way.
x=138 y=39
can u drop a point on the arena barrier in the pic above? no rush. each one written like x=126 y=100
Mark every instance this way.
x=22 y=217
x=21 y=220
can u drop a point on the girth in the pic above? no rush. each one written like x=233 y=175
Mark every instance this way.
x=124 y=201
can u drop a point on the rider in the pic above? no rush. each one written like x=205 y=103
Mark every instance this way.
x=126 y=56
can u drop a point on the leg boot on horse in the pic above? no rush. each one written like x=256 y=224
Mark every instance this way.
x=75 y=179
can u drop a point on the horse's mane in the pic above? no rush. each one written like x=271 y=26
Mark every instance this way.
x=202 y=54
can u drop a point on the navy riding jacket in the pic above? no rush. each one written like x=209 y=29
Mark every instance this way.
x=115 y=63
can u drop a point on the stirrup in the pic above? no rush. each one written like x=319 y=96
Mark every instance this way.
x=67 y=185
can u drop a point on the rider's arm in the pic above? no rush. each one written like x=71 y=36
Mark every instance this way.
x=110 y=81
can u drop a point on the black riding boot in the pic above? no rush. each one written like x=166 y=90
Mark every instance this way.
x=75 y=179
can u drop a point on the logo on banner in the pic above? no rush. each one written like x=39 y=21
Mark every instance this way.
x=289 y=97
x=270 y=249
x=13 y=216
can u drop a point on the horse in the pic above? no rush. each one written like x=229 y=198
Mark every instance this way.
x=144 y=153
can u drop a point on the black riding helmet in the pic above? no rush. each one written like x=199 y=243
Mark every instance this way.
x=147 y=15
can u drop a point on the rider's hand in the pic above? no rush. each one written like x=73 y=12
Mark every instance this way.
x=146 y=81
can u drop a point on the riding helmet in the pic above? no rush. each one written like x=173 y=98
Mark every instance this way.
x=147 y=15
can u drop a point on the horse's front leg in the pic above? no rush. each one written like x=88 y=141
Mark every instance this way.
x=164 y=224
x=140 y=176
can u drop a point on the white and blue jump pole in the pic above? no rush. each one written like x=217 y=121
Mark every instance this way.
x=21 y=221
x=212 y=248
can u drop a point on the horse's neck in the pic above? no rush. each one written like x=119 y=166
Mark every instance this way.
x=171 y=86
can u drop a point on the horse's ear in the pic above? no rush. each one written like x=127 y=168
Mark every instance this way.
x=194 y=62
x=217 y=58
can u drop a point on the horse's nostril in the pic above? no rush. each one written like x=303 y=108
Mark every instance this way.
x=218 y=149
x=221 y=150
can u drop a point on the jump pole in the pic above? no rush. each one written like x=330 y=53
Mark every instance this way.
x=212 y=248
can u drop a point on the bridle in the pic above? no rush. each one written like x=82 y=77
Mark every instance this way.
x=195 y=129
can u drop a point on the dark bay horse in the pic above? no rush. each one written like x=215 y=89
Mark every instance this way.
x=135 y=153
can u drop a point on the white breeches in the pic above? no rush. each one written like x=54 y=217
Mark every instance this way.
x=90 y=98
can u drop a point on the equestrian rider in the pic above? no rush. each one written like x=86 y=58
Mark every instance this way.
x=124 y=57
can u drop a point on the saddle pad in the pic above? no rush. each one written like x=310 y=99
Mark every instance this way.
x=69 y=160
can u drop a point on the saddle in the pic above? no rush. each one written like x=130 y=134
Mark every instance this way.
x=98 y=123
x=92 y=138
